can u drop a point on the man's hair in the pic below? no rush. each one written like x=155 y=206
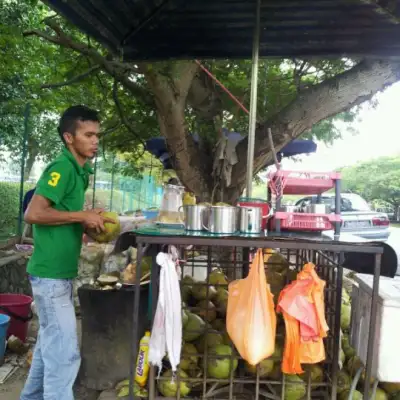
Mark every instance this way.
x=70 y=117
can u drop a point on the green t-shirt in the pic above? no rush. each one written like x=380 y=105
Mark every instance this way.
x=57 y=248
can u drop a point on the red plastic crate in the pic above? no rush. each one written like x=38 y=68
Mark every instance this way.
x=305 y=222
x=303 y=182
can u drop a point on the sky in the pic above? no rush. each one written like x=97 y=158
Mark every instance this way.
x=378 y=133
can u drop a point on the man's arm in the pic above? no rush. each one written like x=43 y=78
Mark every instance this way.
x=51 y=188
x=41 y=212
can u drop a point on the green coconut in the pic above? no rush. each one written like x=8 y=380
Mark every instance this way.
x=219 y=325
x=346 y=347
x=209 y=339
x=194 y=328
x=217 y=277
x=227 y=339
x=220 y=368
x=112 y=230
x=345 y=315
x=390 y=388
x=276 y=373
x=353 y=365
x=146 y=265
x=343 y=381
x=277 y=282
x=206 y=310
x=380 y=394
x=295 y=388
x=221 y=301
x=189 y=360
x=169 y=386
x=186 y=288
x=342 y=357
x=356 y=395
x=278 y=263
x=202 y=292
x=316 y=372
x=345 y=297
x=265 y=368
x=123 y=391
x=185 y=317
x=192 y=254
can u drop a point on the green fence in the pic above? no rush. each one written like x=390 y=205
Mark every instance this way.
x=126 y=195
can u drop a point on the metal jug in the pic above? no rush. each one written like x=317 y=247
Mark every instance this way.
x=194 y=216
x=251 y=220
x=221 y=219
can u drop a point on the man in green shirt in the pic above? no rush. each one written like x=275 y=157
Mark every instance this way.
x=56 y=212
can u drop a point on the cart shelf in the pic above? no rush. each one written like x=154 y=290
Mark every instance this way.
x=303 y=182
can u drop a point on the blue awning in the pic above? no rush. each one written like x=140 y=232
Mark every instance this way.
x=158 y=148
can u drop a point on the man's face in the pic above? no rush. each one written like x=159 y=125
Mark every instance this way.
x=86 y=139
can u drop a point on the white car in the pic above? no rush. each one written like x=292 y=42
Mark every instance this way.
x=357 y=217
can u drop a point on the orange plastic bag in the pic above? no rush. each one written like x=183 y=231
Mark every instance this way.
x=302 y=306
x=251 y=318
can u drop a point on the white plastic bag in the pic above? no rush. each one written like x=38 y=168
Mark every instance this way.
x=166 y=335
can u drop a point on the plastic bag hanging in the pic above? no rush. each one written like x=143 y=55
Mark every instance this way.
x=251 y=319
x=166 y=335
x=302 y=306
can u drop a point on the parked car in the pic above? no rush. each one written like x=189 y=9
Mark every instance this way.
x=389 y=211
x=357 y=216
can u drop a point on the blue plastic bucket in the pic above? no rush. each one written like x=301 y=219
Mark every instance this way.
x=4 y=324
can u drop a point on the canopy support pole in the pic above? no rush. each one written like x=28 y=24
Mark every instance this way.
x=27 y=114
x=94 y=183
x=253 y=103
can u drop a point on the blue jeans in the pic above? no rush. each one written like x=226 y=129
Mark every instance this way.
x=56 y=358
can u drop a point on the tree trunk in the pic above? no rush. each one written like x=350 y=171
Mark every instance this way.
x=33 y=152
x=170 y=96
x=184 y=152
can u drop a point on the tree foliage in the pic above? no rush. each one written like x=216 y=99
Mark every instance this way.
x=375 y=180
x=52 y=65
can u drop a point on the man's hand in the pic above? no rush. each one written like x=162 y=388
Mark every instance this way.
x=93 y=220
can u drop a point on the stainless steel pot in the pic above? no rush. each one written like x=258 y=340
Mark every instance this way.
x=194 y=216
x=250 y=219
x=221 y=219
x=317 y=209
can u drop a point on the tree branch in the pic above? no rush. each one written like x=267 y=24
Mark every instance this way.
x=110 y=130
x=120 y=71
x=321 y=101
x=121 y=113
x=73 y=80
x=183 y=75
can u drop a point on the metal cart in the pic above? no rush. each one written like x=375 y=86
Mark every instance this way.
x=233 y=255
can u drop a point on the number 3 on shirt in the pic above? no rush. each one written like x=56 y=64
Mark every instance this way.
x=55 y=177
